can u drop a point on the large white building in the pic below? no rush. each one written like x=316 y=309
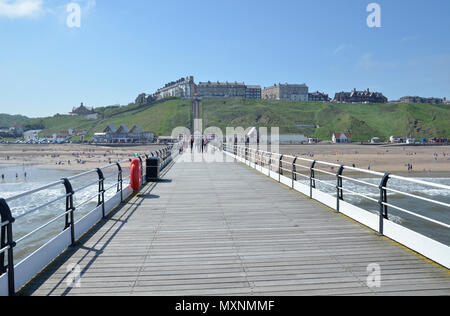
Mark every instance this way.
x=183 y=88
x=286 y=92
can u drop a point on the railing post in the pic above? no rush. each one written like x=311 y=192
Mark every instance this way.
x=259 y=155
x=101 y=191
x=120 y=181
x=263 y=157
x=142 y=170
x=382 y=202
x=294 y=171
x=340 y=192
x=280 y=168
x=70 y=222
x=312 y=177
x=270 y=163
x=7 y=241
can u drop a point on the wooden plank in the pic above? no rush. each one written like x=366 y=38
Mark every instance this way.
x=224 y=229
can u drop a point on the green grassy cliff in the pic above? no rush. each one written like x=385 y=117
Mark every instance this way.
x=7 y=121
x=363 y=121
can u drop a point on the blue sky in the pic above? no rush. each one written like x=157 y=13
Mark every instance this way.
x=124 y=48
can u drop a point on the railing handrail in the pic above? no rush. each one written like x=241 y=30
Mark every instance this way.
x=392 y=176
x=7 y=220
x=47 y=186
x=241 y=150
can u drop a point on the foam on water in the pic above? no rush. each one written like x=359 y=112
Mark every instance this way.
x=36 y=178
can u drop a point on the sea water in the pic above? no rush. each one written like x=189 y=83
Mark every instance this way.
x=430 y=210
x=16 y=182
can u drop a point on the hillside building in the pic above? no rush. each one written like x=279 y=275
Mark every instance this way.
x=253 y=92
x=182 y=88
x=88 y=113
x=222 y=89
x=318 y=97
x=416 y=99
x=360 y=97
x=144 y=99
x=286 y=92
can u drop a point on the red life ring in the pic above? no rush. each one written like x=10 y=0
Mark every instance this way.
x=135 y=174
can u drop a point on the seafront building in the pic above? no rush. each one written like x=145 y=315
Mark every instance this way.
x=342 y=138
x=123 y=135
x=286 y=92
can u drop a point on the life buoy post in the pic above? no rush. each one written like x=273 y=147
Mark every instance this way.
x=135 y=174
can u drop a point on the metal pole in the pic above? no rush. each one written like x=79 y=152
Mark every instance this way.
x=270 y=163
x=294 y=171
x=101 y=191
x=70 y=222
x=7 y=240
x=382 y=201
x=119 y=181
x=280 y=168
x=340 y=192
x=312 y=182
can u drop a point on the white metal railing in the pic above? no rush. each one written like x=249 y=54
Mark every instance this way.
x=165 y=155
x=291 y=168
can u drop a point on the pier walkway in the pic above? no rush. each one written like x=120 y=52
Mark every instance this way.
x=225 y=229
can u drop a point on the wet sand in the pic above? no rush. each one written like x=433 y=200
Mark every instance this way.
x=68 y=156
x=425 y=161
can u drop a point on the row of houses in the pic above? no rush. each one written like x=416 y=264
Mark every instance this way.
x=355 y=96
x=123 y=135
x=187 y=88
x=416 y=99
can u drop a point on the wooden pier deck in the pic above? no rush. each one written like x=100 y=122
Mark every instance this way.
x=224 y=229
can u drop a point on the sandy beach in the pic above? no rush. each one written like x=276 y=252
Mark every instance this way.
x=75 y=157
x=425 y=160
